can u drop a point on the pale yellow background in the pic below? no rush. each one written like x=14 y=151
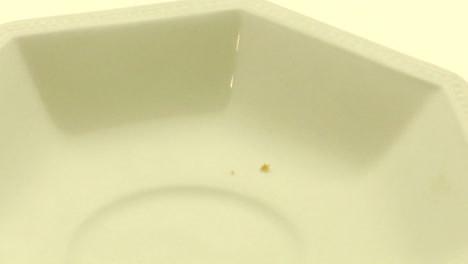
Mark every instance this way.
x=435 y=31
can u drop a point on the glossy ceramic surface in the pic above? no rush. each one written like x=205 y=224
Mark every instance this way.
x=140 y=136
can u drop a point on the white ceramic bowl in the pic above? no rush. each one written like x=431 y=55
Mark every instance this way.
x=138 y=136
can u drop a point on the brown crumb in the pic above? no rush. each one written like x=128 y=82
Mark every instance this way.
x=233 y=172
x=265 y=168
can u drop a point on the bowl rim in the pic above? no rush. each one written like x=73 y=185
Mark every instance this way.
x=454 y=86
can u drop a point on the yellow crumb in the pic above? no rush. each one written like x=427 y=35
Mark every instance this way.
x=265 y=168
x=233 y=172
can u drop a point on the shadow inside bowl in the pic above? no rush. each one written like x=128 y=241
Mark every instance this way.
x=98 y=77
x=321 y=97
x=305 y=91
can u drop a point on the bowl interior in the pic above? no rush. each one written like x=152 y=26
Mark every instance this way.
x=367 y=163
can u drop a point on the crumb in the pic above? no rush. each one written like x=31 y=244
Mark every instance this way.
x=233 y=172
x=265 y=168
x=440 y=183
